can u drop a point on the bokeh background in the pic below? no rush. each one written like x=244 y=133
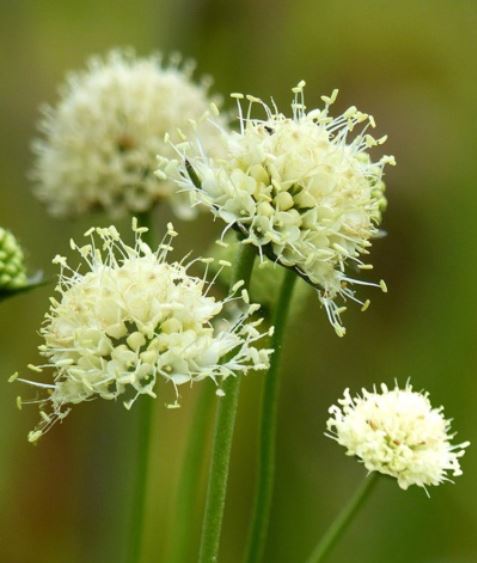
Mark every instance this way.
x=412 y=64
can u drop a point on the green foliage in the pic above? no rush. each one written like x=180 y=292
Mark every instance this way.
x=266 y=281
x=411 y=64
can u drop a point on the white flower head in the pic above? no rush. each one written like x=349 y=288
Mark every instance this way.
x=12 y=264
x=100 y=141
x=298 y=188
x=132 y=317
x=397 y=432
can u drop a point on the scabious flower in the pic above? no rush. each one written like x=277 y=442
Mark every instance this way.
x=397 y=432
x=131 y=318
x=12 y=267
x=298 y=188
x=99 y=143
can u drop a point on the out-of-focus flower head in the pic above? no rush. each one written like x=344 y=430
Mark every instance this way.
x=299 y=188
x=100 y=141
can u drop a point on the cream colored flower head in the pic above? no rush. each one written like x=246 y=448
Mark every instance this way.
x=12 y=265
x=301 y=189
x=100 y=141
x=132 y=317
x=397 y=432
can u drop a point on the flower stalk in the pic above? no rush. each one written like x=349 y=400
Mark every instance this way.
x=189 y=479
x=142 y=436
x=268 y=427
x=341 y=523
x=223 y=435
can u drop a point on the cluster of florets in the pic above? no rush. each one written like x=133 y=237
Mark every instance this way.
x=297 y=188
x=397 y=432
x=99 y=143
x=12 y=267
x=134 y=317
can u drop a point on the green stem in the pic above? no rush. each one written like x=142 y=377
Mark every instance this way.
x=142 y=437
x=143 y=440
x=189 y=479
x=268 y=428
x=222 y=441
x=338 y=527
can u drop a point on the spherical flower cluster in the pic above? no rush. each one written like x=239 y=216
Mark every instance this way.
x=133 y=317
x=99 y=143
x=12 y=268
x=397 y=432
x=299 y=189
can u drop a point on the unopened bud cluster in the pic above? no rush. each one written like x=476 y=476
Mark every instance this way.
x=12 y=268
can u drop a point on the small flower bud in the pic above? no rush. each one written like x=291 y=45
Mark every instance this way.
x=12 y=267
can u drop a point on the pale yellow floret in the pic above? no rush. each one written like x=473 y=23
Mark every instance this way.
x=129 y=317
x=300 y=189
x=397 y=432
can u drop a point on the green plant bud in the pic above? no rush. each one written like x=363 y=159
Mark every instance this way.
x=12 y=265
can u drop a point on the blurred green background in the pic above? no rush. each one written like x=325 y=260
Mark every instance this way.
x=413 y=65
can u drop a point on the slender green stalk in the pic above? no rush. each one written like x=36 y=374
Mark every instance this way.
x=189 y=479
x=268 y=428
x=222 y=442
x=337 y=528
x=142 y=437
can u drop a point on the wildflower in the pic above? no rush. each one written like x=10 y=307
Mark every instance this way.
x=397 y=432
x=131 y=318
x=12 y=268
x=297 y=188
x=99 y=143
